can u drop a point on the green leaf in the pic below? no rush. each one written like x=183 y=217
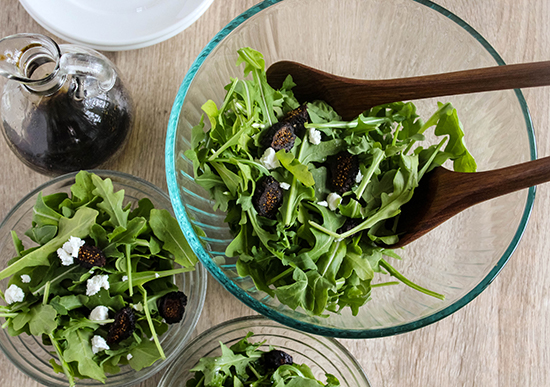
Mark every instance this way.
x=42 y=319
x=299 y=170
x=143 y=209
x=230 y=179
x=211 y=110
x=104 y=297
x=117 y=286
x=43 y=214
x=450 y=125
x=78 y=226
x=17 y=244
x=144 y=355
x=42 y=234
x=79 y=350
x=112 y=202
x=293 y=295
x=66 y=303
x=83 y=187
x=166 y=228
x=359 y=263
x=19 y=321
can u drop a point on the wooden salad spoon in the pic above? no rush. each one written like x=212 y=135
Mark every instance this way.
x=442 y=194
x=350 y=97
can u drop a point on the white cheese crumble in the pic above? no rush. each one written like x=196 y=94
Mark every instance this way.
x=333 y=200
x=14 y=294
x=124 y=278
x=129 y=356
x=99 y=344
x=69 y=251
x=99 y=313
x=323 y=203
x=94 y=284
x=157 y=275
x=359 y=177
x=285 y=186
x=314 y=136
x=66 y=258
x=25 y=278
x=269 y=159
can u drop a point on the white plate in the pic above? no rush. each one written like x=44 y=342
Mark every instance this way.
x=114 y=25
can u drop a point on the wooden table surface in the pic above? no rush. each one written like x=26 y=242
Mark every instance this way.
x=502 y=338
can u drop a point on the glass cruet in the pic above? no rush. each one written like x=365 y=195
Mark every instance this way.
x=63 y=107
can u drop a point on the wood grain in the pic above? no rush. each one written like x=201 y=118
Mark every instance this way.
x=499 y=339
x=443 y=193
x=350 y=97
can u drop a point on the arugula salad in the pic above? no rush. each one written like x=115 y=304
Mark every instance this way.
x=98 y=286
x=244 y=364
x=311 y=198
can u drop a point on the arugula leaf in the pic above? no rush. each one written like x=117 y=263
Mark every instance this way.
x=42 y=319
x=79 y=350
x=78 y=226
x=293 y=295
x=167 y=229
x=144 y=355
x=255 y=64
x=295 y=167
x=112 y=201
x=43 y=214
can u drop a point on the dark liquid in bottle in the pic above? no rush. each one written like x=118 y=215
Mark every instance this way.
x=64 y=134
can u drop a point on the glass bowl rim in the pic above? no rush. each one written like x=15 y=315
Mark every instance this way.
x=251 y=320
x=158 y=366
x=184 y=222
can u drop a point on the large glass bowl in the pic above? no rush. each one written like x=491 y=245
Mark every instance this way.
x=323 y=355
x=29 y=354
x=372 y=39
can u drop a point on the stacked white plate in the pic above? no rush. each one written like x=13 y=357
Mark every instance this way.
x=115 y=25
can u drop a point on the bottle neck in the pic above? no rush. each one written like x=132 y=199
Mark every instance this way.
x=32 y=60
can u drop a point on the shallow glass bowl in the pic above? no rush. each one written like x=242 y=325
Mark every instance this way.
x=322 y=354
x=28 y=353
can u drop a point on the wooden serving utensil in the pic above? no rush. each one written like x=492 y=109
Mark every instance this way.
x=442 y=194
x=350 y=97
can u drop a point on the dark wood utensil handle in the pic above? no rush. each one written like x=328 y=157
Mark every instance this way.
x=491 y=184
x=459 y=82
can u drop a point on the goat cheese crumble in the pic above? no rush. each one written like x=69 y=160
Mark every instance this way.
x=99 y=313
x=25 y=278
x=269 y=159
x=333 y=200
x=99 y=344
x=69 y=251
x=14 y=294
x=314 y=136
x=284 y=185
x=94 y=284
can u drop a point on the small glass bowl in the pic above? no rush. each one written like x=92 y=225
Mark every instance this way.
x=322 y=354
x=367 y=39
x=29 y=354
